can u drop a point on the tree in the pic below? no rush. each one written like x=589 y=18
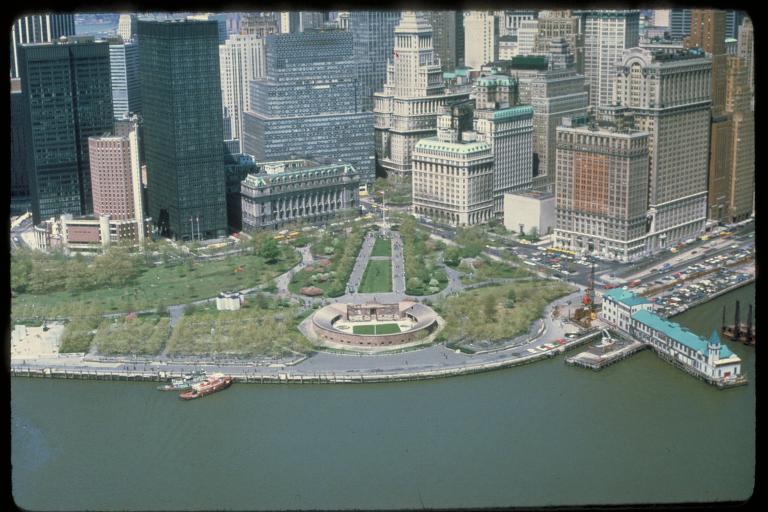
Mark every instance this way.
x=489 y=307
x=269 y=250
x=533 y=234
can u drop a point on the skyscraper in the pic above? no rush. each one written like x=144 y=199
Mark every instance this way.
x=607 y=35
x=555 y=93
x=444 y=37
x=560 y=24
x=20 y=193
x=669 y=97
x=308 y=104
x=679 y=23
x=373 y=38
x=67 y=98
x=124 y=76
x=407 y=109
x=601 y=196
x=481 y=38
x=111 y=176
x=181 y=96
x=260 y=25
x=707 y=32
x=126 y=26
x=38 y=28
x=242 y=59
x=508 y=129
x=741 y=174
x=746 y=49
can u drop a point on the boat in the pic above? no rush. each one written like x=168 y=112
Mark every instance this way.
x=212 y=384
x=184 y=382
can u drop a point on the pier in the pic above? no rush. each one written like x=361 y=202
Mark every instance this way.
x=606 y=353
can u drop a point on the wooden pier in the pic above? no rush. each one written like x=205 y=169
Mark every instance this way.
x=596 y=359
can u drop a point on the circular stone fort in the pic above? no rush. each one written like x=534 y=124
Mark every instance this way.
x=373 y=325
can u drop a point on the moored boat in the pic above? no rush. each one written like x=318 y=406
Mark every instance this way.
x=185 y=382
x=212 y=384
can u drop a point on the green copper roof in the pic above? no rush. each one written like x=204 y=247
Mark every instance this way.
x=453 y=147
x=626 y=297
x=519 y=111
x=678 y=333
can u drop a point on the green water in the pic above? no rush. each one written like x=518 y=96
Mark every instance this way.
x=639 y=431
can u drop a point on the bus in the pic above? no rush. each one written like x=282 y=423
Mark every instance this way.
x=292 y=235
x=561 y=251
x=279 y=237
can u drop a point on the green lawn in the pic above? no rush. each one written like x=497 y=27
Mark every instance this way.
x=382 y=247
x=162 y=285
x=376 y=329
x=377 y=277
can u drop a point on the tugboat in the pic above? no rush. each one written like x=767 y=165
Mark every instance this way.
x=186 y=381
x=212 y=384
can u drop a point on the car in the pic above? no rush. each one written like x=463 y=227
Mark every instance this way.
x=560 y=341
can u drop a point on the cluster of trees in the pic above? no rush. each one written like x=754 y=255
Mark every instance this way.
x=78 y=334
x=471 y=242
x=36 y=272
x=341 y=250
x=396 y=192
x=423 y=276
x=503 y=313
x=142 y=335
x=266 y=329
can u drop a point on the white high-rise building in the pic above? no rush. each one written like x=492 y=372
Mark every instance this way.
x=407 y=109
x=481 y=38
x=242 y=58
x=669 y=97
x=607 y=35
x=126 y=26
x=124 y=77
x=527 y=36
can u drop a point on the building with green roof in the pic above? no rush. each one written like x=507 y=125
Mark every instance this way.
x=288 y=191
x=708 y=359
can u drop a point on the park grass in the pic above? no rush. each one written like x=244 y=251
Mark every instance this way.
x=142 y=336
x=162 y=285
x=486 y=268
x=484 y=314
x=376 y=329
x=377 y=277
x=251 y=331
x=382 y=247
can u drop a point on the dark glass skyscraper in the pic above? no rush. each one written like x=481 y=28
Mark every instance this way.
x=67 y=98
x=308 y=106
x=373 y=41
x=183 y=133
x=20 y=194
x=38 y=28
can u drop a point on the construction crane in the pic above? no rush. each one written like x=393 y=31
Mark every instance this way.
x=589 y=296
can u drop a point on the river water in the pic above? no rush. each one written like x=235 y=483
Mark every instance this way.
x=640 y=431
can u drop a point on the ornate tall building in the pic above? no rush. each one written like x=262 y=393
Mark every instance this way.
x=746 y=49
x=669 y=97
x=407 y=109
x=556 y=25
x=453 y=172
x=601 y=194
x=444 y=37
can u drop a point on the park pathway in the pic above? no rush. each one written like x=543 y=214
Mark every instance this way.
x=398 y=263
x=362 y=261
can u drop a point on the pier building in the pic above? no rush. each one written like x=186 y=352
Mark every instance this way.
x=708 y=359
